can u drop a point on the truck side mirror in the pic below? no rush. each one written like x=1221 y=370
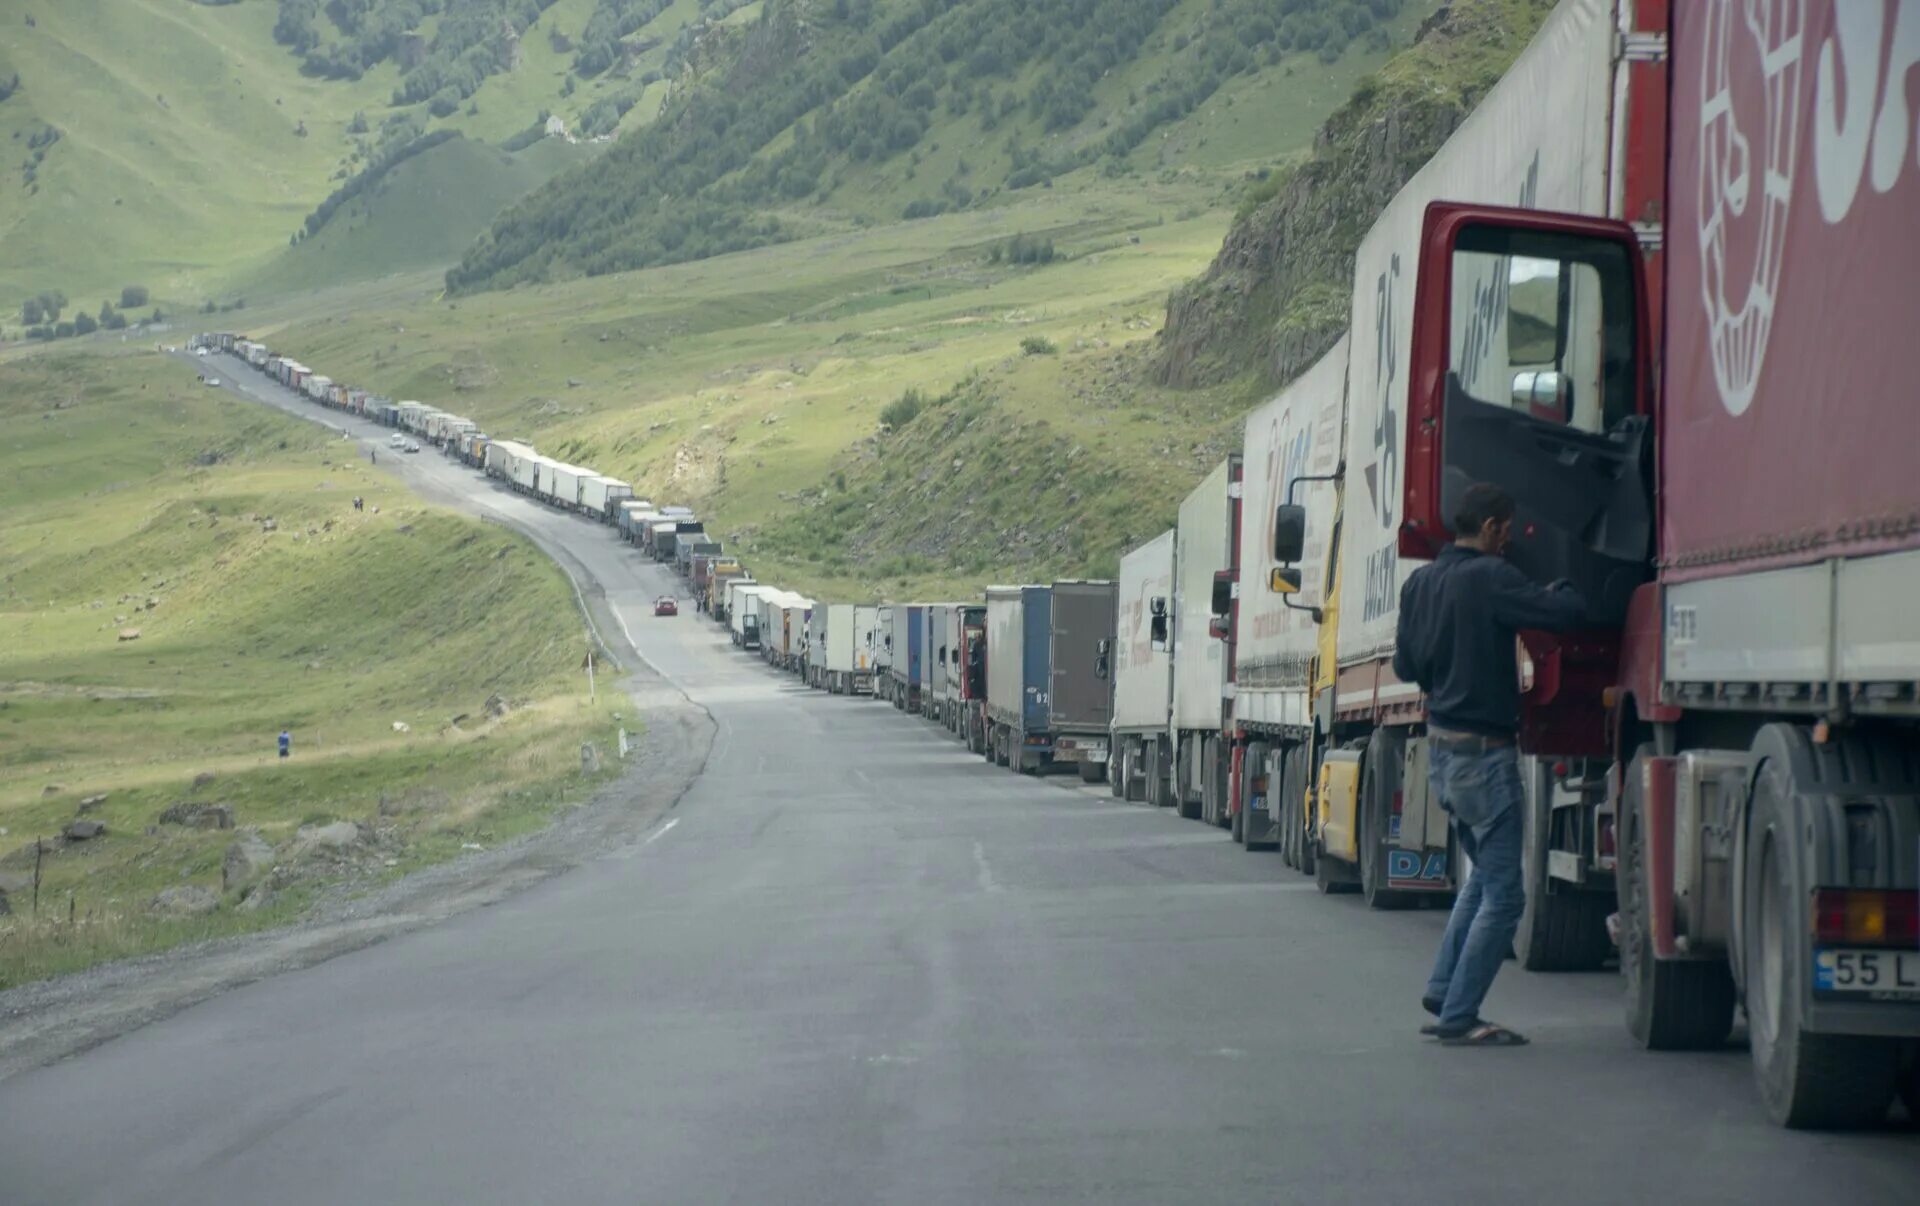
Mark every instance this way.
x=1158 y=629
x=1100 y=665
x=1158 y=607
x=1289 y=532
x=1223 y=585
x=1284 y=580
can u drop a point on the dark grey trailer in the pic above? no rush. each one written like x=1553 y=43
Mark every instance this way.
x=1080 y=699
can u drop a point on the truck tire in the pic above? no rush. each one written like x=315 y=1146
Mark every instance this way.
x=1806 y=1080
x=1159 y=793
x=1180 y=757
x=1092 y=772
x=1564 y=930
x=1672 y=1005
x=1116 y=771
x=1217 y=782
x=1255 y=764
x=1136 y=778
x=1376 y=802
x=1293 y=782
x=998 y=742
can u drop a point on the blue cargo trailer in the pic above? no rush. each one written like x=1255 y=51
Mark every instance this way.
x=1019 y=673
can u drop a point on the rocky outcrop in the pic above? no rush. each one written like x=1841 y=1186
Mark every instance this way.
x=1277 y=295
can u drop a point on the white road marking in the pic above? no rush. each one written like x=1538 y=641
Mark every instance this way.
x=986 y=880
x=661 y=832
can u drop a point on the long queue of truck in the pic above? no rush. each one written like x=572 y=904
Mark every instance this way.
x=1653 y=289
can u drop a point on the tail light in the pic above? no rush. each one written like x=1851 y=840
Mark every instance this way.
x=1866 y=917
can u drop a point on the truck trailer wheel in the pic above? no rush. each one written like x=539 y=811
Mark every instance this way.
x=1135 y=776
x=1092 y=772
x=1806 y=1080
x=1116 y=772
x=1254 y=766
x=1299 y=826
x=1672 y=1005
x=1562 y=928
x=1159 y=788
x=1376 y=804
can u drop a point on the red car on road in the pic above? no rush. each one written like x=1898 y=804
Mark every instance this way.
x=666 y=605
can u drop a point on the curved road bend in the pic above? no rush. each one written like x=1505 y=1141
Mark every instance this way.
x=861 y=966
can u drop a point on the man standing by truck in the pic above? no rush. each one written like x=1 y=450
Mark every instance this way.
x=1460 y=617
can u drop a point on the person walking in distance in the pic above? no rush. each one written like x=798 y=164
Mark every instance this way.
x=286 y=743
x=1459 y=621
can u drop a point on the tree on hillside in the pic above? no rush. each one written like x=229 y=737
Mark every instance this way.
x=84 y=324
x=31 y=312
x=52 y=301
x=132 y=295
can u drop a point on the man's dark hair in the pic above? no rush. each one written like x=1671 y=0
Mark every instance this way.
x=1481 y=502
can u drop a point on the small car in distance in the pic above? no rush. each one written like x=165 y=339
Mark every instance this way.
x=213 y=381
x=666 y=605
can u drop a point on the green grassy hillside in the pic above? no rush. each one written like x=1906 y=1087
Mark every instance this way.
x=138 y=502
x=796 y=118
x=190 y=144
x=421 y=214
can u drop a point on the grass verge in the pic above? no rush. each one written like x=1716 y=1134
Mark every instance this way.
x=184 y=576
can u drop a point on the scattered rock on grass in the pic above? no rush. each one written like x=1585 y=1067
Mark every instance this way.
x=198 y=816
x=335 y=836
x=92 y=802
x=246 y=860
x=202 y=779
x=81 y=831
x=190 y=900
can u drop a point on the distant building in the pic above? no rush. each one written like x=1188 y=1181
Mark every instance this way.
x=556 y=126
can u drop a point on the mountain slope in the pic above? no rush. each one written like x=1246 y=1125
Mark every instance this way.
x=178 y=145
x=420 y=214
x=813 y=116
x=1278 y=294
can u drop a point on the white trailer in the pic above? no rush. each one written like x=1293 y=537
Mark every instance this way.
x=882 y=650
x=1143 y=674
x=529 y=474
x=600 y=495
x=866 y=649
x=833 y=657
x=504 y=456
x=745 y=612
x=316 y=387
x=950 y=670
x=1201 y=549
x=567 y=480
x=793 y=652
x=1292 y=452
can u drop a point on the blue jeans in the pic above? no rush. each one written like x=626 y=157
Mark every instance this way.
x=1482 y=792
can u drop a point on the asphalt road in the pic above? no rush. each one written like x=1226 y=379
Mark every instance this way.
x=860 y=965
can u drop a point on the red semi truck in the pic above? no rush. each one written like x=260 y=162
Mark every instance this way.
x=1747 y=530
x=1658 y=287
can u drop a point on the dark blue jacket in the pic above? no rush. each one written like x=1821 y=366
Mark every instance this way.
x=1458 y=619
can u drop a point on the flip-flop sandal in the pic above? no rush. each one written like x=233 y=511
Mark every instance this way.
x=1485 y=1034
x=1433 y=1007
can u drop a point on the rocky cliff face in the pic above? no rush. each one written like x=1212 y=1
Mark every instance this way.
x=1277 y=295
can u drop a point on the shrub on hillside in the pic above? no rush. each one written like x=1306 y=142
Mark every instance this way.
x=132 y=295
x=902 y=410
x=1037 y=345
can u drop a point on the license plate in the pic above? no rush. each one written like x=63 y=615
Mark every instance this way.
x=1878 y=975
